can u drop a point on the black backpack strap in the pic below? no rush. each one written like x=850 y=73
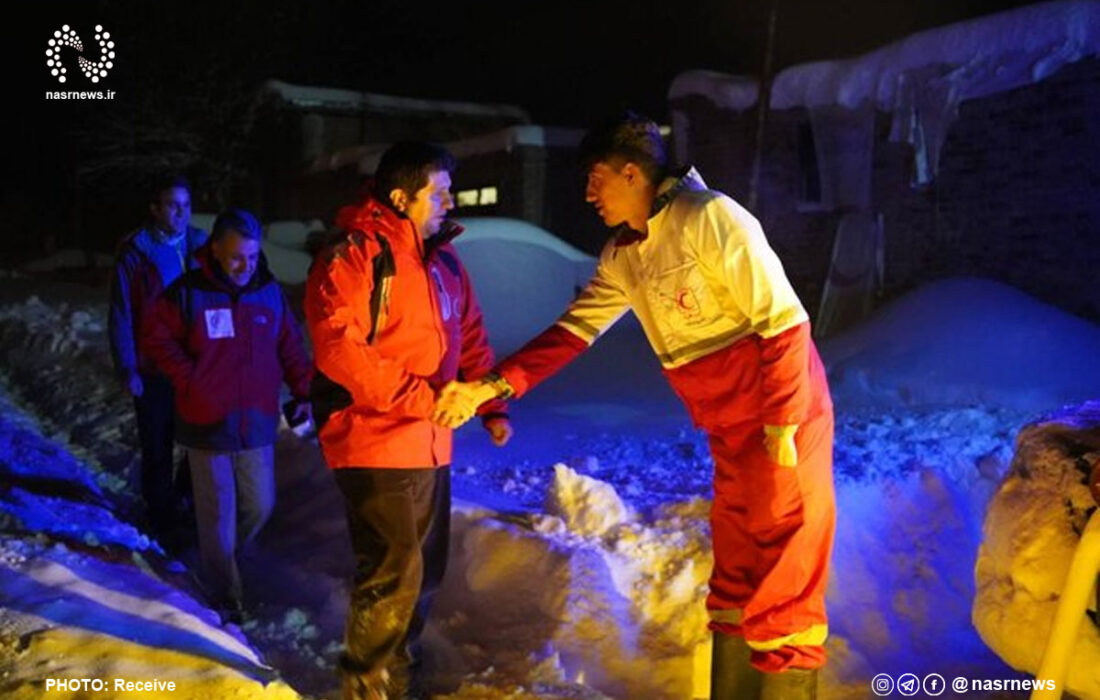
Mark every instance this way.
x=326 y=395
x=383 y=268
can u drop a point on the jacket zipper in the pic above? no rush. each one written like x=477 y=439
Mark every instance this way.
x=438 y=316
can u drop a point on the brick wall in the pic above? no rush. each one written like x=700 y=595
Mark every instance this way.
x=1017 y=197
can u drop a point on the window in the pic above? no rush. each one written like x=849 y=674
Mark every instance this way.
x=481 y=197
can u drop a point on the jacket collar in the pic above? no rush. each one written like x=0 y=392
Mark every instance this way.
x=449 y=231
x=686 y=180
x=372 y=215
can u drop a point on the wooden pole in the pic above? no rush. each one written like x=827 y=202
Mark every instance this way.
x=762 y=105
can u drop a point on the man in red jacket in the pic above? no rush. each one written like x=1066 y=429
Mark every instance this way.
x=224 y=334
x=393 y=317
x=734 y=342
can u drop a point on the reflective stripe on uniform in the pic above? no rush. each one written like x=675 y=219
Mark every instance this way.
x=814 y=635
x=694 y=351
x=579 y=327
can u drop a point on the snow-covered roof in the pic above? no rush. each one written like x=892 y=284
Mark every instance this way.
x=315 y=97
x=506 y=139
x=733 y=92
x=979 y=57
x=976 y=58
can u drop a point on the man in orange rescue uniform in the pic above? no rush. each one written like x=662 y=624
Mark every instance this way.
x=393 y=317
x=734 y=342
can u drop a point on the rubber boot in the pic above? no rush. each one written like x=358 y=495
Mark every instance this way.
x=732 y=677
x=792 y=684
x=365 y=686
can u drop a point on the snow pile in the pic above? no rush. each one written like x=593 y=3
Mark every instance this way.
x=523 y=276
x=732 y=92
x=285 y=244
x=288 y=265
x=66 y=615
x=49 y=491
x=607 y=600
x=203 y=220
x=56 y=355
x=975 y=58
x=964 y=342
x=69 y=259
x=100 y=611
x=1031 y=531
x=35 y=326
x=587 y=506
x=291 y=234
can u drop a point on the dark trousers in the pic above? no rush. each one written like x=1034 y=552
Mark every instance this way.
x=400 y=522
x=160 y=487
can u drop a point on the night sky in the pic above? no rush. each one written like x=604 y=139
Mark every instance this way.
x=566 y=63
x=562 y=61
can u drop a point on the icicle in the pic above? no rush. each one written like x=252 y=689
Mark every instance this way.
x=843 y=141
x=927 y=102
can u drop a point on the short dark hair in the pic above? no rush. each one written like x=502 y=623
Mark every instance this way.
x=628 y=137
x=407 y=165
x=239 y=221
x=165 y=183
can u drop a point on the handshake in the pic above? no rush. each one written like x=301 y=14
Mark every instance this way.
x=457 y=403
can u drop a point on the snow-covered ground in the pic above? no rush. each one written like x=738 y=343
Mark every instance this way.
x=580 y=551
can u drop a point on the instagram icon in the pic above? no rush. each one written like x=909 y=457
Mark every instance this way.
x=882 y=685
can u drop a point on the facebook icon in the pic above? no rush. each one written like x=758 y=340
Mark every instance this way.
x=934 y=684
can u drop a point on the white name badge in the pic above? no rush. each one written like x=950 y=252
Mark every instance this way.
x=219 y=323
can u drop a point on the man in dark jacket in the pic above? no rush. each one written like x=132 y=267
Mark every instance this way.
x=226 y=349
x=150 y=259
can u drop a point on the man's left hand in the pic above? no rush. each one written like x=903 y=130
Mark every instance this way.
x=779 y=444
x=500 y=430
x=303 y=412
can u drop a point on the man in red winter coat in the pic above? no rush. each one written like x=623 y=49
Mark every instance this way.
x=393 y=318
x=734 y=342
x=226 y=337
